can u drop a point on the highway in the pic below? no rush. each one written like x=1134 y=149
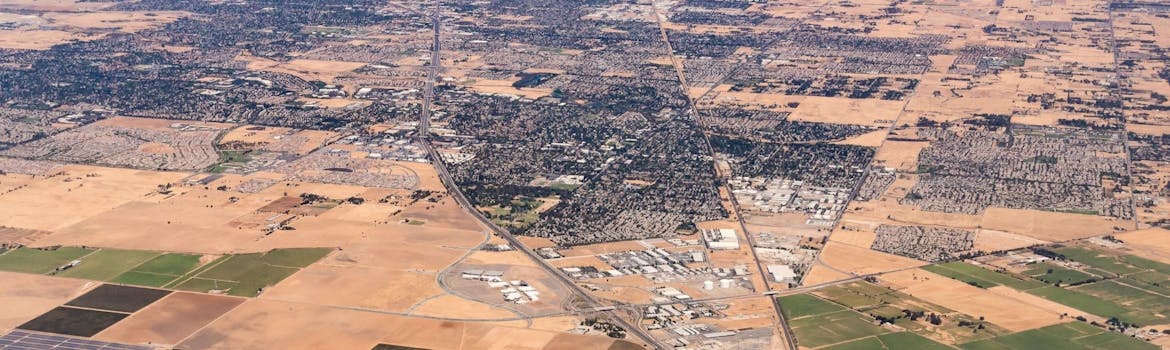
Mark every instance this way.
x=423 y=139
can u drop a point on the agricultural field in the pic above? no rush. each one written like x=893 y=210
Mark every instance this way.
x=892 y=341
x=41 y=261
x=159 y=271
x=1072 y=335
x=981 y=277
x=239 y=274
x=248 y=274
x=1057 y=275
x=1098 y=282
x=848 y=317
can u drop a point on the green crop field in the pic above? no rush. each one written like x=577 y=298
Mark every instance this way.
x=204 y=285
x=296 y=257
x=851 y=300
x=1098 y=260
x=1144 y=307
x=107 y=264
x=1144 y=263
x=1153 y=281
x=1115 y=292
x=981 y=277
x=159 y=271
x=801 y=305
x=1053 y=274
x=170 y=264
x=245 y=274
x=31 y=260
x=905 y=340
x=143 y=279
x=250 y=272
x=1065 y=336
x=891 y=341
x=871 y=343
x=1080 y=301
x=832 y=328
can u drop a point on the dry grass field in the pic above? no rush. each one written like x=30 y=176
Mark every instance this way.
x=862 y=260
x=76 y=193
x=26 y=296
x=900 y=155
x=872 y=112
x=1150 y=243
x=299 y=142
x=311 y=70
x=504 y=87
x=819 y=273
x=266 y=323
x=171 y=319
x=1003 y=310
x=62 y=21
x=455 y=307
x=1049 y=226
x=870 y=139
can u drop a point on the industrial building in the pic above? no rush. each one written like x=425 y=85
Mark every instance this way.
x=721 y=239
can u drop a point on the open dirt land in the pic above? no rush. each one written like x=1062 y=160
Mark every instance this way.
x=819 y=273
x=311 y=70
x=1049 y=226
x=901 y=155
x=860 y=260
x=504 y=87
x=77 y=193
x=852 y=111
x=299 y=142
x=992 y=240
x=171 y=319
x=455 y=307
x=356 y=286
x=1153 y=243
x=274 y=324
x=27 y=296
x=869 y=139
